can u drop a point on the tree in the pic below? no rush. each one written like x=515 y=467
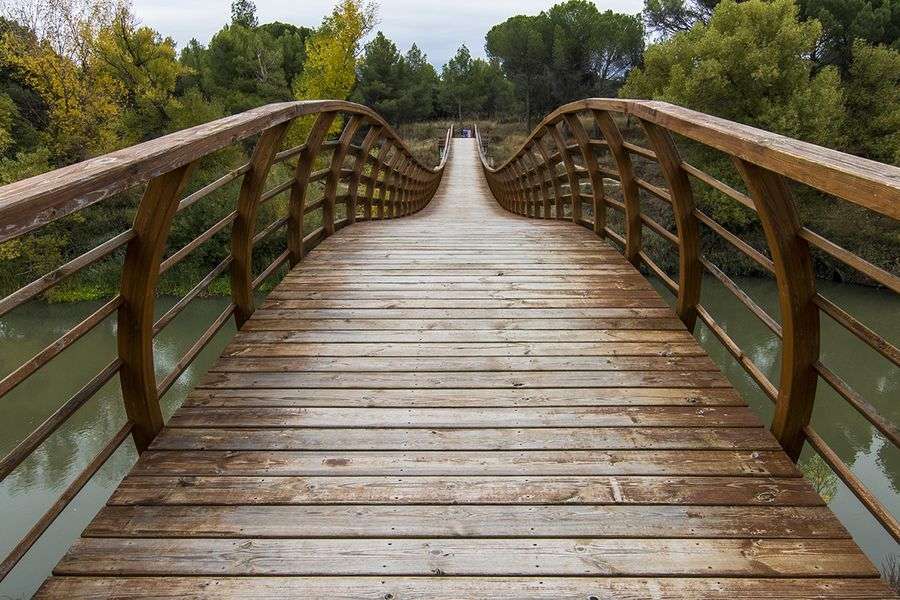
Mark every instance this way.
x=243 y=12
x=571 y=51
x=873 y=103
x=519 y=46
x=846 y=21
x=668 y=17
x=332 y=52
x=146 y=66
x=456 y=83
x=420 y=86
x=52 y=51
x=381 y=82
x=749 y=64
x=617 y=46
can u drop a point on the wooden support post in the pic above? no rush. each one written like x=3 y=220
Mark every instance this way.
x=518 y=191
x=388 y=195
x=334 y=173
x=140 y=274
x=796 y=294
x=533 y=182
x=590 y=162
x=305 y=164
x=542 y=175
x=574 y=187
x=362 y=160
x=375 y=184
x=554 y=179
x=630 y=195
x=245 y=222
x=689 y=269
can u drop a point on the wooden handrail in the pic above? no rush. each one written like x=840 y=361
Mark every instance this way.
x=865 y=182
x=767 y=162
x=166 y=165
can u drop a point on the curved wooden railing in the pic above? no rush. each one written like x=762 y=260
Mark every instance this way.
x=352 y=166
x=560 y=170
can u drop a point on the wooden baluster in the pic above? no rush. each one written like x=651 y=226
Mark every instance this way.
x=396 y=182
x=375 y=184
x=630 y=194
x=574 y=187
x=140 y=274
x=245 y=222
x=796 y=292
x=362 y=159
x=518 y=202
x=305 y=164
x=408 y=184
x=590 y=162
x=533 y=184
x=505 y=186
x=689 y=269
x=543 y=175
x=390 y=183
x=547 y=175
x=554 y=177
x=334 y=174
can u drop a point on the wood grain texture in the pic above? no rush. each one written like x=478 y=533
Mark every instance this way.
x=465 y=403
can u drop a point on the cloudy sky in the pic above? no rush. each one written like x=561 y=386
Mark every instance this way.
x=437 y=26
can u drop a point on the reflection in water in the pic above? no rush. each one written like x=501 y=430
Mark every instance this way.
x=32 y=488
x=872 y=457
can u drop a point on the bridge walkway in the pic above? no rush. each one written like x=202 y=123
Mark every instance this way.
x=465 y=404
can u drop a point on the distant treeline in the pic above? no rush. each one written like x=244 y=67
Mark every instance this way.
x=79 y=78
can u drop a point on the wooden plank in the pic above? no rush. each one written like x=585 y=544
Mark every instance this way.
x=401 y=521
x=583 y=556
x=355 y=364
x=519 y=336
x=410 y=418
x=247 y=437
x=458 y=324
x=558 y=489
x=460 y=588
x=462 y=398
x=445 y=349
x=550 y=462
x=467 y=380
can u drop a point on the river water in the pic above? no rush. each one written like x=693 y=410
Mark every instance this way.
x=32 y=488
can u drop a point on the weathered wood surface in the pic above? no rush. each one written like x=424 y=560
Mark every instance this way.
x=464 y=404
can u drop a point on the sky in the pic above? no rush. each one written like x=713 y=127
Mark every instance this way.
x=438 y=27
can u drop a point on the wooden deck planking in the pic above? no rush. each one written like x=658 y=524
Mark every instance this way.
x=464 y=404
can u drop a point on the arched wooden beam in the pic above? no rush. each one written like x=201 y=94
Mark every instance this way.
x=362 y=159
x=590 y=162
x=305 y=164
x=630 y=194
x=140 y=274
x=245 y=221
x=796 y=299
x=334 y=174
x=690 y=271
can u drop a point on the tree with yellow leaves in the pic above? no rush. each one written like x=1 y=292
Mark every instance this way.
x=332 y=52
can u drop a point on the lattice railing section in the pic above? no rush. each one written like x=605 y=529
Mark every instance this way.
x=351 y=166
x=580 y=164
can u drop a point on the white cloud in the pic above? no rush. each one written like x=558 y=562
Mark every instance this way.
x=438 y=28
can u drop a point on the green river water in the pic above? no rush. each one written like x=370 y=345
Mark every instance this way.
x=36 y=484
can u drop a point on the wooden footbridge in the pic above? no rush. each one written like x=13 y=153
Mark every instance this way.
x=484 y=398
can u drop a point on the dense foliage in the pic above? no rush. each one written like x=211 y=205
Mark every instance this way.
x=80 y=78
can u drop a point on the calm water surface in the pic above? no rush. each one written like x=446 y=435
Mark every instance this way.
x=32 y=488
